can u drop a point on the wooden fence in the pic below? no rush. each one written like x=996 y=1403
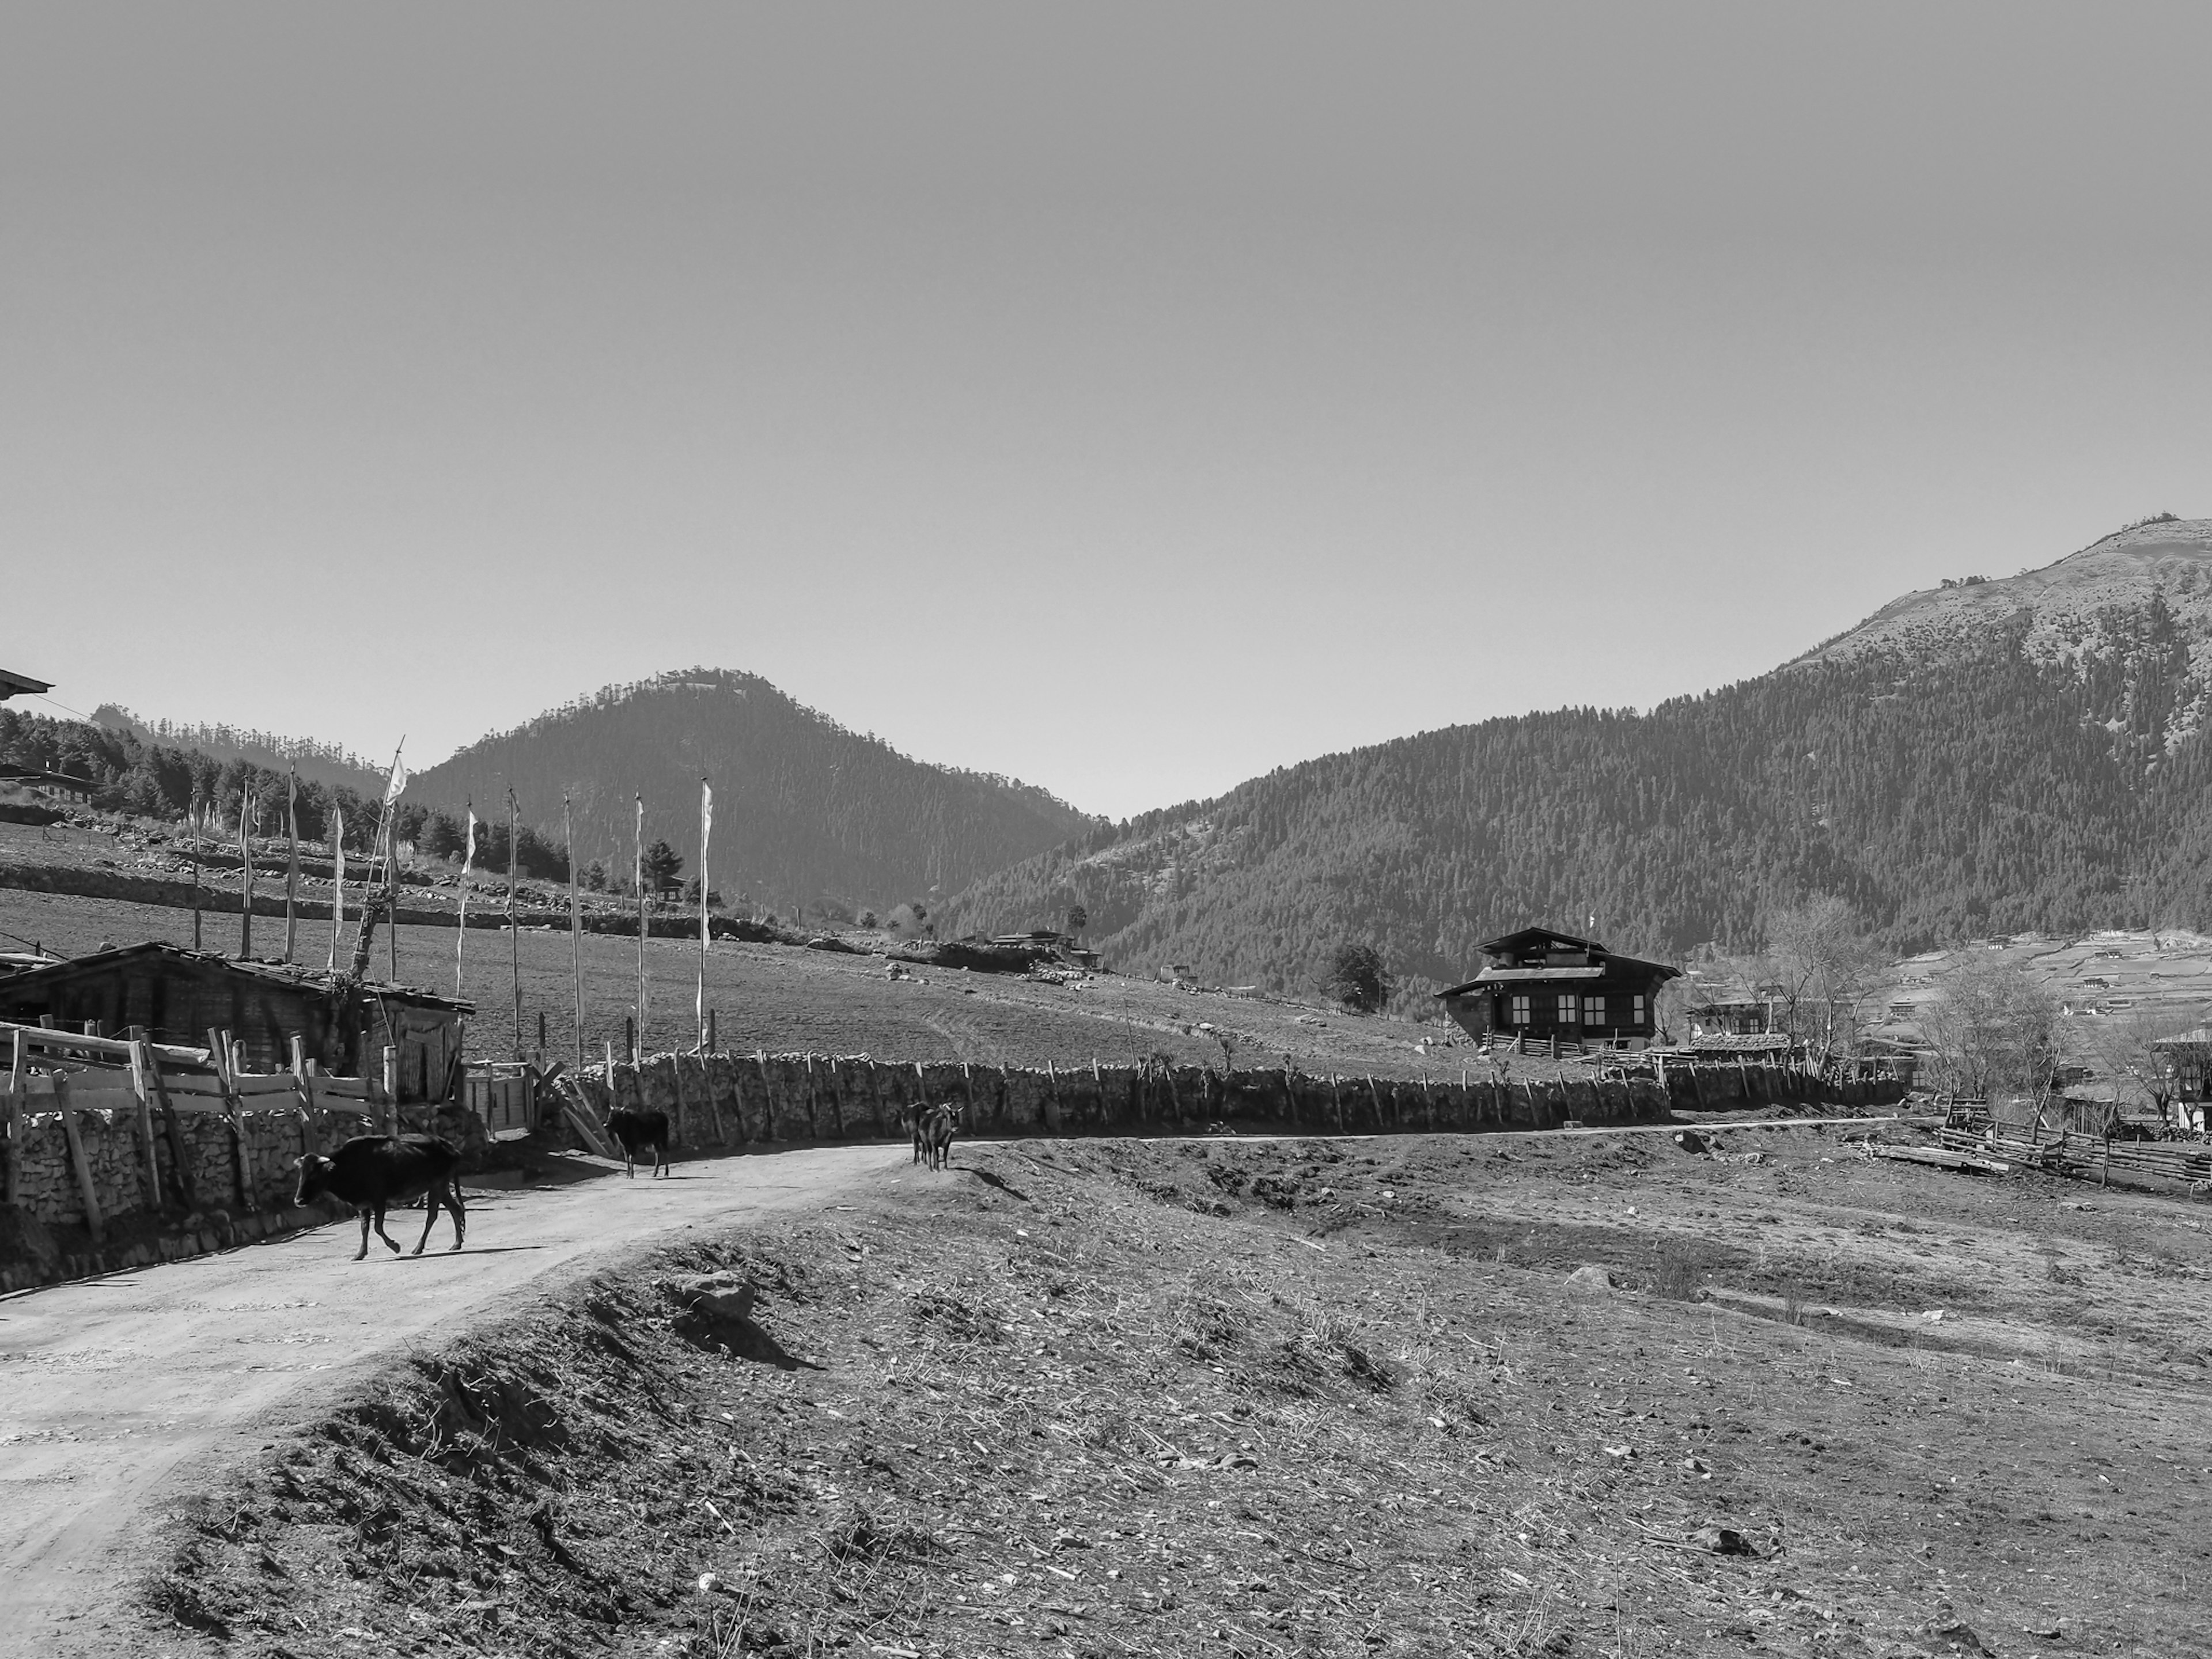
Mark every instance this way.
x=2085 y=1158
x=96 y=1126
x=503 y=1094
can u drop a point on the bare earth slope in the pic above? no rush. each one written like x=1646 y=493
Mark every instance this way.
x=108 y=1389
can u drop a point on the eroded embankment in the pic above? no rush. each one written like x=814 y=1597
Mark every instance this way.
x=1103 y=1397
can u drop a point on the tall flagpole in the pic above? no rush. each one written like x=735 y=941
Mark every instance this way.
x=513 y=919
x=705 y=934
x=337 y=880
x=292 y=866
x=468 y=862
x=245 y=883
x=575 y=934
x=637 y=879
x=192 y=821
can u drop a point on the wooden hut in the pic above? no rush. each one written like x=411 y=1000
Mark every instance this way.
x=1549 y=987
x=179 y=996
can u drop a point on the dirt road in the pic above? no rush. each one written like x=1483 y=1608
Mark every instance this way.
x=108 y=1389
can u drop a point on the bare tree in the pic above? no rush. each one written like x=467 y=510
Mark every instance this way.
x=2125 y=1046
x=1822 y=967
x=1992 y=1029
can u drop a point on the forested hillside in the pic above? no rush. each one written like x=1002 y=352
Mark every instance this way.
x=1965 y=778
x=163 y=781
x=805 y=811
x=321 y=763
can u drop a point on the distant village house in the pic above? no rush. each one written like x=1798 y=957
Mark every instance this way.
x=1546 y=986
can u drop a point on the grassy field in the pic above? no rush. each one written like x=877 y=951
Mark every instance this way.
x=1269 y=1398
x=788 y=998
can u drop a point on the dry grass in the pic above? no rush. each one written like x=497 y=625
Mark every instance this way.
x=1073 y=1410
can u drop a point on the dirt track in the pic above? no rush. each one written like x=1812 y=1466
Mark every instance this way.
x=108 y=1388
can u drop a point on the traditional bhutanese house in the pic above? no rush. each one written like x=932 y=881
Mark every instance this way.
x=13 y=684
x=179 y=996
x=59 y=785
x=1545 y=986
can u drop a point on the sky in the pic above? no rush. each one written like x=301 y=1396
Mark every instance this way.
x=1129 y=398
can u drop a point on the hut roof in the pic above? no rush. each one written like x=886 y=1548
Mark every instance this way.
x=14 y=684
x=317 y=981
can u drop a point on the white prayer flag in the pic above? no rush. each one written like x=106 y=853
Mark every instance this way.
x=706 y=835
x=461 y=932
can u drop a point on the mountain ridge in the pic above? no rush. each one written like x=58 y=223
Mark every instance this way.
x=2022 y=753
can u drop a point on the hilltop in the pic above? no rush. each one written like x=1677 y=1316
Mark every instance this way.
x=2009 y=756
x=806 y=808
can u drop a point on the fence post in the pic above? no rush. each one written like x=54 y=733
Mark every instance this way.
x=92 y=1222
x=242 y=1155
x=138 y=1087
x=391 y=1090
x=304 y=1086
x=18 y=1076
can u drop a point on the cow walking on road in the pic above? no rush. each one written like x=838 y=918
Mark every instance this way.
x=374 y=1172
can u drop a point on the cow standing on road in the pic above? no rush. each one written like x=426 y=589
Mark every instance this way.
x=372 y=1172
x=635 y=1130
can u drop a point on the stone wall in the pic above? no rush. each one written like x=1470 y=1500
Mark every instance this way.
x=722 y=1099
x=114 y=1150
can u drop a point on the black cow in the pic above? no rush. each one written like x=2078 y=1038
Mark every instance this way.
x=933 y=1133
x=635 y=1130
x=372 y=1172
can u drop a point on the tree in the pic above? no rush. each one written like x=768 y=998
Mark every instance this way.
x=1078 y=919
x=1822 y=966
x=440 y=836
x=664 y=865
x=1992 y=1029
x=1358 y=978
x=2126 y=1048
x=595 y=877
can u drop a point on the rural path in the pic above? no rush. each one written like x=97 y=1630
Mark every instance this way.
x=108 y=1387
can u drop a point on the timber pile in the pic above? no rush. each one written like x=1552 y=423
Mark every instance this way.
x=1941 y=1158
x=2088 y=1157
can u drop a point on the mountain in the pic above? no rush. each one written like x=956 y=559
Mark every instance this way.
x=320 y=762
x=805 y=810
x=1988 y=755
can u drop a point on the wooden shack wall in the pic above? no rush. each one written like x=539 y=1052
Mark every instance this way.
x=182 y=1002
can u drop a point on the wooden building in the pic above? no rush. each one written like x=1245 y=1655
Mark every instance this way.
x=13 y=684
x=179 y=996
x=1545 y=987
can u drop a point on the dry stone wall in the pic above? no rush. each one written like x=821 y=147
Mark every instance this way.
x=724 y=1099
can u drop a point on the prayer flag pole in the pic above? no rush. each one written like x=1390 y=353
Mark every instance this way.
x=461 y=935
x=637 y=879
x=292 y=863
x=575 y=934
x=513 y=919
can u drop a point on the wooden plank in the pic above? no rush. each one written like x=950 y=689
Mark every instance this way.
x=303 y=1085
x=180 y=1164
x=17 y=1094
x=145 y=1093
x=242 y=1155
x=253 y=1085
x=93 y=1222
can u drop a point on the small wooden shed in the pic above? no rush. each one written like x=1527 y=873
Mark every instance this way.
x=179 y=995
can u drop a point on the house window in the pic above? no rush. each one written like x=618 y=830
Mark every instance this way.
x=1636 y=1011
x=1520 y=1010
x=1593 y=1011
x=1568 y=1002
